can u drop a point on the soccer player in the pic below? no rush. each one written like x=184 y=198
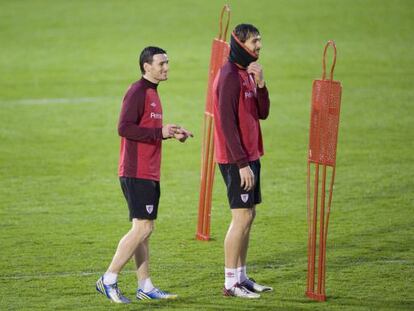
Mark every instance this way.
x=240 y=100
x=142 y=132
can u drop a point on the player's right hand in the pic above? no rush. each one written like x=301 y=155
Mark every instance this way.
x=169 y=130
x=246 y=178
x=256 y=70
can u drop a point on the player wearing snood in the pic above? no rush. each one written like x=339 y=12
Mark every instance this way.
x=238 y=107
x=240 y=99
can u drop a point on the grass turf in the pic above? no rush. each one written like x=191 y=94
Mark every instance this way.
x=64 y=69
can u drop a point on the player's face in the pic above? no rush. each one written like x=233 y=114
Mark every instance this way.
x=254 y=44
x=158 y=70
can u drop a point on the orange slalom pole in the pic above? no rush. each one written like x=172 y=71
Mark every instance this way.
x=321 y=234
x=309 y=223
x=323 y=137
x=314 y=230
x=209 y=181
x=202 y=185
x=201 y=230
x=219 y=52
x=328 y=212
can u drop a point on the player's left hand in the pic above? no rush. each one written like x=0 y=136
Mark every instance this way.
x=256 y=70
x=182 y=134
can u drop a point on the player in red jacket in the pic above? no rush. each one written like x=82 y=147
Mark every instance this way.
x=142 y=132
x=240 y=100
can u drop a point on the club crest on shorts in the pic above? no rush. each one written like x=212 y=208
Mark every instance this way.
x=244 y=197
x=149 y=208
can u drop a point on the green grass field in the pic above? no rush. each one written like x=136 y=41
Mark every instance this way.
x=64 y=68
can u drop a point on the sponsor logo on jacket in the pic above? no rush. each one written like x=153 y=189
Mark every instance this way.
x=154 y=115
x=248 y=94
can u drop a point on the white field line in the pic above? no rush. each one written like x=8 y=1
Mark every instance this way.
x=56 y=275
x=48 y=101
x=273 y=266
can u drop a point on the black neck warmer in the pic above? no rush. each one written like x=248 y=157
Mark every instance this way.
x=239 y=53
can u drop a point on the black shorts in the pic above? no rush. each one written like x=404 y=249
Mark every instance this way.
x=142 y=196
x=238 y=197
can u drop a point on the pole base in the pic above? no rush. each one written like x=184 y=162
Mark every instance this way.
x=202 y=237
x=313 y=296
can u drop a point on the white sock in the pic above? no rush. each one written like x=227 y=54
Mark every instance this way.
x=241 y=274
x=110 y=278
x=230 y=277
x=146 y=285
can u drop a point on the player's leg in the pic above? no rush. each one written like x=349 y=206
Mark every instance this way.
x=236 y=241
x=107 y=284
x=241 y=263
x=246 y=238
x=141 y=257
x=142 y=197
x=233 y=245
x=140 y=231
x=243 y=279
x=240 y=202
x=146 y=290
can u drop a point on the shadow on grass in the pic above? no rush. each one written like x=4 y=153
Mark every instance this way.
x=334 y=302
x=218 y=303
x=367 y=249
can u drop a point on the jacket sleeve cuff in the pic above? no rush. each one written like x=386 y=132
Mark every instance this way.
x=158 y=133
x=242 y=164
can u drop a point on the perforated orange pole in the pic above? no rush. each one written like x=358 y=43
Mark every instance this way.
x=323 y=138
x=219 y=53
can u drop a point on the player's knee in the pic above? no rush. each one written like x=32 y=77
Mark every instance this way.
x=143 y=228
x=253 y=214
x=244 y=221
x=148 y=227
x=248 y=217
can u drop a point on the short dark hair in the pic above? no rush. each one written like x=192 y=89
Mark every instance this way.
x=244 y=31
x=147 y=56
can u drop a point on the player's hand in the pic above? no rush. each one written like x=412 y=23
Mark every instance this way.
x=256 y=70
x=182 y=134
x=246 y=178
x=169 y=130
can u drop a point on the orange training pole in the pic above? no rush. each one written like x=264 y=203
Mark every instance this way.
x=323 y=138
x=219 y=53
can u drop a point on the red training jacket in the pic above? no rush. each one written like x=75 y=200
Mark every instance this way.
x=238 y=106
x=140 y=128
